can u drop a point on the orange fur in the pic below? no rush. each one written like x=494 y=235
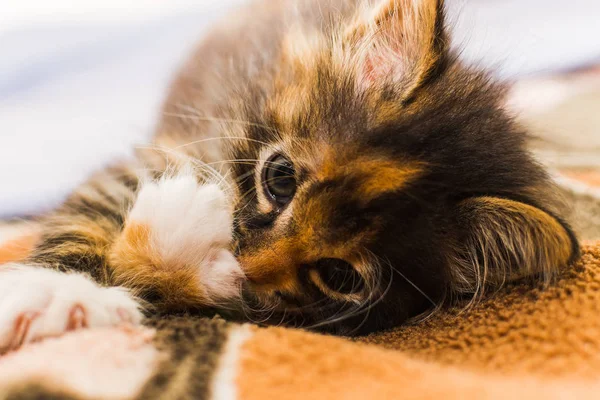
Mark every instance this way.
x=135 y=264
x=377 y=175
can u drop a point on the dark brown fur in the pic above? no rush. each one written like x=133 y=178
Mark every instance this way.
x=421 y=177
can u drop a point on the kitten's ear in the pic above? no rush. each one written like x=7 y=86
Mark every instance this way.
x=503 y=240
x=401 y=40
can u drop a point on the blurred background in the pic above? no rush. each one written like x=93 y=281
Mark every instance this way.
x=81 y=81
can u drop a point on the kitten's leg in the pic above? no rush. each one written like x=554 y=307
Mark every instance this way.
x=63 y=285
x=171 y=249
x=174 y=246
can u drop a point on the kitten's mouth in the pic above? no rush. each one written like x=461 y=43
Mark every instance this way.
x=280 y=309
x=269 y=301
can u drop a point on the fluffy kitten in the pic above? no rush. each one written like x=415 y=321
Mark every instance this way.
x=320 y=163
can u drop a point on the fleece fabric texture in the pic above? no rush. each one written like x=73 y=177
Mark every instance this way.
x=524 y=342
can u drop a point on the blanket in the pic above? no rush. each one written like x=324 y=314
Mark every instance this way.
x=524 y=341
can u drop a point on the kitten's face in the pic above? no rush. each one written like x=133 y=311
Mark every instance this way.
x=325 y=225
x=388 y=178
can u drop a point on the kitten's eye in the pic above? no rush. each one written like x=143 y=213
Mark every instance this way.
x=339 y=276
x=279 y=179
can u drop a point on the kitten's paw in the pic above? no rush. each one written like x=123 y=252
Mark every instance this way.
x=186 y=226
x=36 y=303
x=186 y=218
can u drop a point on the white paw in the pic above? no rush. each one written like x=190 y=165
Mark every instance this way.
x=190 y=224
x=36 y=303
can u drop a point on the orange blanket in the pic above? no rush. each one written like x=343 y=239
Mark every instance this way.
x=526 y=342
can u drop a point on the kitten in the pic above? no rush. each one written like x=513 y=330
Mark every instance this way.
x=326 y=164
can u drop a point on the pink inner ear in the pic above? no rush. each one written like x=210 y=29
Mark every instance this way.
x=379 y=67
x=369 y=71
x=382 y=59
x=393 y=45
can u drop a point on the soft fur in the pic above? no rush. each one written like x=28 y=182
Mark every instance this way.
x=412 y=184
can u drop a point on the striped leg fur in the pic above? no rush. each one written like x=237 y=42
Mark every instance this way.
x=115 y=241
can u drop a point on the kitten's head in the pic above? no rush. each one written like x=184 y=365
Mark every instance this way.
x=389 y=177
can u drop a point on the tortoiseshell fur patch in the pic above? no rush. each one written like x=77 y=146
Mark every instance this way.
x=407 y=168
